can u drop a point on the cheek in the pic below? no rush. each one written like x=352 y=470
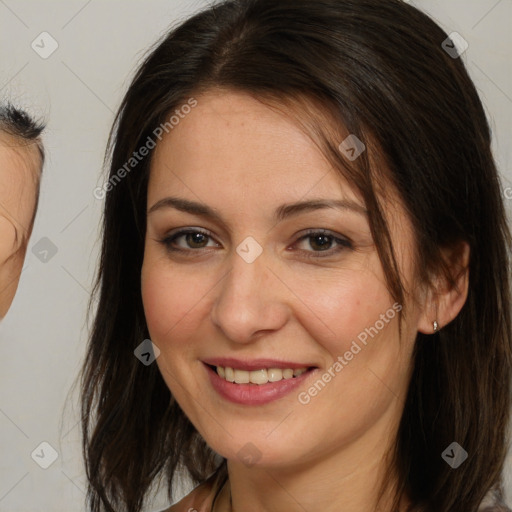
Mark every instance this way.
x=169 y=296
x=7 y=238
x=355 y=321
x=172 y=298
x=341 y=306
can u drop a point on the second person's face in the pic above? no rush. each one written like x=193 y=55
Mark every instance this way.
x=18 y=192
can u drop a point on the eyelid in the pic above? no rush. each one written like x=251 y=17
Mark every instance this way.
x=323 y=231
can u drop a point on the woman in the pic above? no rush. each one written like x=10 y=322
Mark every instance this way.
x=304 y=217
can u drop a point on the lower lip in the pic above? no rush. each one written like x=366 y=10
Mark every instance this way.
x=255 y=394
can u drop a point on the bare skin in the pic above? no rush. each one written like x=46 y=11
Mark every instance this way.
x=244 y=160
x=19 y=169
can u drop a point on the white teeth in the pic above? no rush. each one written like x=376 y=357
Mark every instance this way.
x=275 y=374
x=241 y=377
x=288 y=373
x=229 y=374
x=258 y=376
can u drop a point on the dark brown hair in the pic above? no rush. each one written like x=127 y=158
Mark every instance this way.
x=378 y=67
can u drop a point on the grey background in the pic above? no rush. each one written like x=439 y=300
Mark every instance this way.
x=78 y=88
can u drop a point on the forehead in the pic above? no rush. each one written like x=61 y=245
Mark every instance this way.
x=19 y=154
x=231 y=140
x=20 y=168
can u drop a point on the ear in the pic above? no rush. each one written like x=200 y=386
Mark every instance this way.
x=448 y=294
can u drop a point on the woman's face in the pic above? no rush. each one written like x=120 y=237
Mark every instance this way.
x=255 y=286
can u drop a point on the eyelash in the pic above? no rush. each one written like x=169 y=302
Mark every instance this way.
x=343 y=243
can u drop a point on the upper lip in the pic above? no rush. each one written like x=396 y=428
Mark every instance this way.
x=254 y=364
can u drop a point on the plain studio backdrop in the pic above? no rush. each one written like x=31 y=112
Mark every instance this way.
x=76 y=79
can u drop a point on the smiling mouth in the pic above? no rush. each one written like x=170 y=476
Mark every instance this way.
x=258 y=377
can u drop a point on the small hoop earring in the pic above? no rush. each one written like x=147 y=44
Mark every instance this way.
x=436 y=326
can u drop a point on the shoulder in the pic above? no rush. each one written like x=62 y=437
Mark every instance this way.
x=199 y=499
x=494 y=502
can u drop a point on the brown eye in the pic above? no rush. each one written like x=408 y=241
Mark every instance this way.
x=193 y=238
x=321 y=242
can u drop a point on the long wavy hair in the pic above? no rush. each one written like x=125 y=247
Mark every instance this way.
x=379 y=69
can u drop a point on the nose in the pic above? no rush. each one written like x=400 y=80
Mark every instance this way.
x=251 y=300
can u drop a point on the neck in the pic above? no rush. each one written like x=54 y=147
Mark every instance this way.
x=346 y=481
x=353 y=472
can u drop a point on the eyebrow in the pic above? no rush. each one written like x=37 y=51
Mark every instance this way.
x=282 y=212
